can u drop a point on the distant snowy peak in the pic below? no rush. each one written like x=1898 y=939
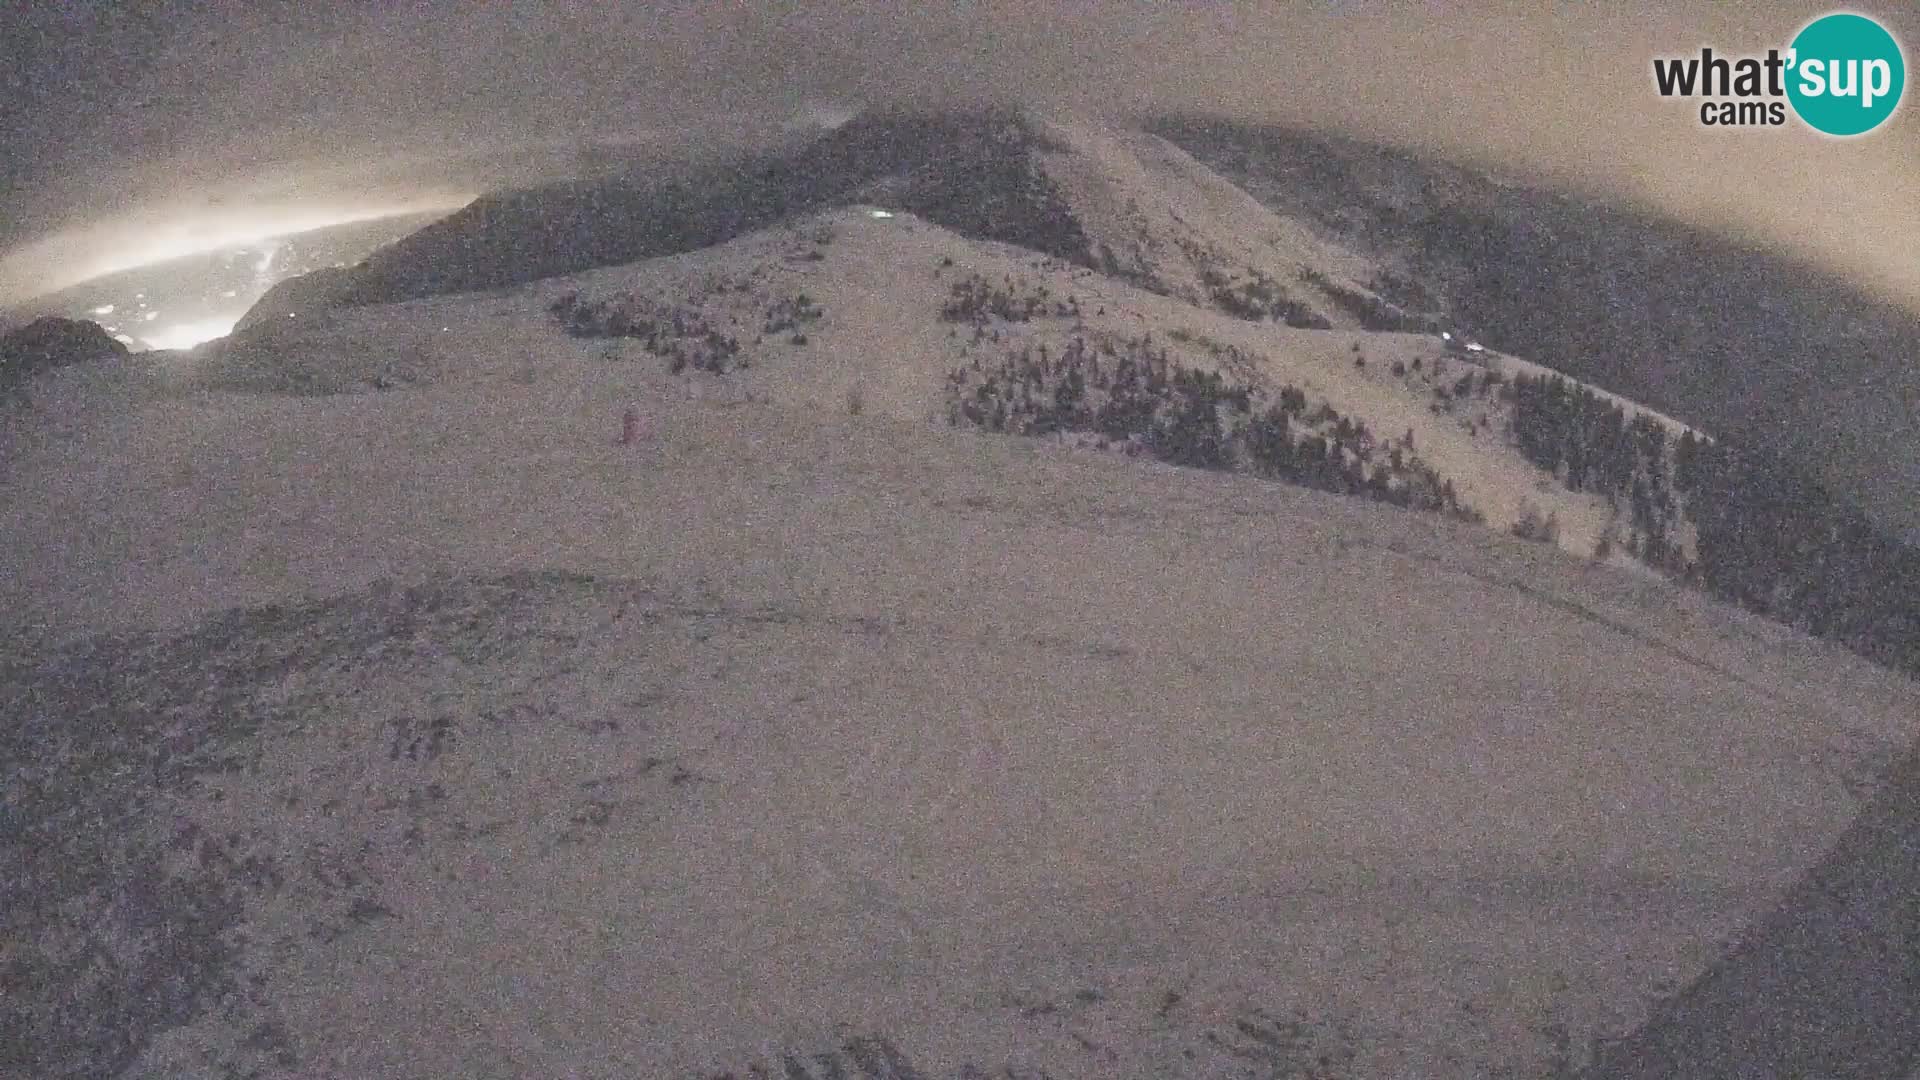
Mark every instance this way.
x=1118 y=201
x=1154 y=215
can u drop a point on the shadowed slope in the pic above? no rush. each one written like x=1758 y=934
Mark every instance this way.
x=1724 y=335
x=1827 y=985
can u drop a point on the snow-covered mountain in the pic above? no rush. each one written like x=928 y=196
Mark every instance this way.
x=1121 y=201
x=1157 y=253
x=1325 y=235
x=973 y=595
x=1789 y=357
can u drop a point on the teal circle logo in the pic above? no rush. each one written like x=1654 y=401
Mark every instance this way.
x=1845 y=74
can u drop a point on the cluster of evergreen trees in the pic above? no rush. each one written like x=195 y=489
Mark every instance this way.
x=1260 y=299
x=684 y=338
x=1372 y=312
x=1130 y=392
x=975 y=300
x=1767 y=534
x=1590 y=444
x=1773 y=539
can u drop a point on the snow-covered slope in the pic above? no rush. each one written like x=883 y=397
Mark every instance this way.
x=1781 y=355
x=846 y=739
x=1157 y=244
x=1153 y=214
x=869 y=292
x=376 y=711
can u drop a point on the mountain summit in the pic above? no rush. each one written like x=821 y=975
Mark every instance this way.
x=1126 y=203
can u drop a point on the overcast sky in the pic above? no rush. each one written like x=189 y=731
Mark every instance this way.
x=123 y=121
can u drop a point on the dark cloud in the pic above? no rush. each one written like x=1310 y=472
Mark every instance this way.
x=214 y=111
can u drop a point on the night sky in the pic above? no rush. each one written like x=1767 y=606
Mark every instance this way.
x=138 y=130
